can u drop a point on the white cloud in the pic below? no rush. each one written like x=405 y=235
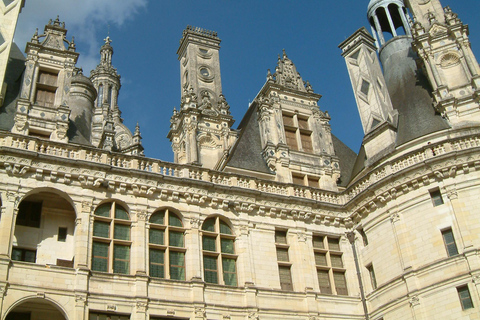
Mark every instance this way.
x=83 y=19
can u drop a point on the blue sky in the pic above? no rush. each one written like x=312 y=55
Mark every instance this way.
x=146 y=36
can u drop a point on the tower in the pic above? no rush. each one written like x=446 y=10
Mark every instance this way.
x=9 y=11
x=441 y=42
x=200 y=131
x=379 y=119
x=108 y=130
x=42 y=109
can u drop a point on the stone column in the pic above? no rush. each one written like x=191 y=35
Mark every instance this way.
x=8 y=212
x=83 y=229
x=379 y=29
x=193 y=264
x=138 y=256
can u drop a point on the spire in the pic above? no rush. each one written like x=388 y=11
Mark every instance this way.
x=106 y=52
x=286 y=74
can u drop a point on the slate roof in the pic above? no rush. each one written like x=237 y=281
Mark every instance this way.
x=13 y=78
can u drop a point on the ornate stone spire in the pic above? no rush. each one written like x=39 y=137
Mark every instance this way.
x=286 y=74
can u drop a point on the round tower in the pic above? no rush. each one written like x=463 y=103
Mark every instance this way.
x=409 y=89
x=81 y=102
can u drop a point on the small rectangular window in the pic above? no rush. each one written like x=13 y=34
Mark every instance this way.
x=364 y=237
x=465 y=298
x=449 y=241
x=298 y=179
x=373 y=278
x=281 y=236
x=19 y=254
x=62 y=234
x=291 y=137
x=29 y=214
x=106 y=316
x=324 y=281
x=285 y=278
x=436 y=196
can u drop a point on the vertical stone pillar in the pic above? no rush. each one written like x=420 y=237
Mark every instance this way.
x=81 y=312
x=193 y=264
x=138 y=256
x=244 y=262
x=83 y=228
x=8 y=212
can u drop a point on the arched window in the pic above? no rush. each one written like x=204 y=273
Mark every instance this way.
x=111 y=239
x=219 y=256
x=166 y=246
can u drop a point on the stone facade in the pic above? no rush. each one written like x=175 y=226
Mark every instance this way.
x=273 y=220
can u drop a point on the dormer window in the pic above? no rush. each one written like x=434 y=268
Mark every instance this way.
x=297 y=133
x=46 y=88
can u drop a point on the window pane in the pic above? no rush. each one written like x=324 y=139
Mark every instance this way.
x=224 y=228
x=465 y=298
x=103 y=210
x=176 y=239
x=285 y=278
x=320 y=259
x=340 y=283
x=158 y=217
x=210 y=269
x=157 y=256
x=121 y=232
x=121 y=257
x=209 y=225
x=120 y=212
x=306 y=141
x=30 y=256
x=173 y=220
x=287 y=120
x=210 y=276
x=291 y=139
x=100 y=256
x=281 y=237
x=336 y=261
x=450 y=242
x=318 y=242
x=156 y=236
x=157 y=268
x=303 y=123
x=324 y=281
x=298 y=180
x=16 y=254
x=229 y=272
x=209 y=243
x=436 y=196
x=282 y=254
x=210 y=263
x=227 y=245
x=334 y=244
x=177 y=265
x=101 y=229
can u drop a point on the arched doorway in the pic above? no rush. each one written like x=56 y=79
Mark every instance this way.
x=44 y=230
x=36 y=309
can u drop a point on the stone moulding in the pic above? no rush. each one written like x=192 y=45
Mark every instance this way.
x=356 y=198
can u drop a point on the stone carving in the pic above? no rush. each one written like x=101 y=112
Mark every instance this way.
x=141 y=306
x=414 y=301
x=253 y=316
x=200 y=313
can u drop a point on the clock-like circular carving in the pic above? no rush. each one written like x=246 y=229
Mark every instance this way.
x=204 y=72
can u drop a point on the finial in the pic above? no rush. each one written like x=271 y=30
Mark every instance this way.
x=269 y=74
x=71 y=45
x=35 y=36
x=107 y=40
x=284 y=54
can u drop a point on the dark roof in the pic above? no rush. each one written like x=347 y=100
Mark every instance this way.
x=410 y=92
x=347 y=159
x=13 y=78
x=247 y=151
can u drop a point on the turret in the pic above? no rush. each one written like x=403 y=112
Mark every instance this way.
x=80 y=100
x=441 y=42
x=201 y=131
x=42 y=107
